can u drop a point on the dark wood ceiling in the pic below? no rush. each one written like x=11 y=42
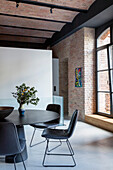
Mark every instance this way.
x=36 y=24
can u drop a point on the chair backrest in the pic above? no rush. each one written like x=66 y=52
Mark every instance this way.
x=72 y=123
x=9 y=142
x=54 y=108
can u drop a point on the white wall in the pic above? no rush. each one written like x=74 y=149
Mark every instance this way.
x=33 y=67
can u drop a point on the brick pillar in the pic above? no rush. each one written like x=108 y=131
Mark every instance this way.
x=89 y=71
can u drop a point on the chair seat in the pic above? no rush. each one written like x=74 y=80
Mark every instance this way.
x=39 y=125
x=44 y=125
x=55 y=134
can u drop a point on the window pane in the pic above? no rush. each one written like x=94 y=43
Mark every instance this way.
x=111 y=56
x=103 y=81
x=104 y=38
x=104 y=103
x=111 y=73
x=102 y=59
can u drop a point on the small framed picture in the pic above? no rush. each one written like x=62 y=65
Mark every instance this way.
x=78 y=77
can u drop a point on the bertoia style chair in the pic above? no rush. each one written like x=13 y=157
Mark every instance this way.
x=10 y=144
x=61 y=134
x=53 y=123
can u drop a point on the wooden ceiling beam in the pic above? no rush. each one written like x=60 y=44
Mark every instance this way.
x=21 y=39
x=27 y=32
x=25 y=36
x=4 y=20
x=34 y=18
x=26 y=28
x=51 y=6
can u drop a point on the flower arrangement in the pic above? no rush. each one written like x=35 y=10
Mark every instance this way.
x=25 y=94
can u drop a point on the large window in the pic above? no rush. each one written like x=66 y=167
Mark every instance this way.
x=105 y=73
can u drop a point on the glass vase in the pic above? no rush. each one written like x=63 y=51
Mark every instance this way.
x=21 y=110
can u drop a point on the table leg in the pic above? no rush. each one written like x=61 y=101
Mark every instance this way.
x=10 y=159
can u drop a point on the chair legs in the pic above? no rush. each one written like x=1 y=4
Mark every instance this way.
x=49 y=150
x=14 y=162
x=45 y=153
x=33 y=138
x=22 y=161
x=31 y=145
x=71 y=154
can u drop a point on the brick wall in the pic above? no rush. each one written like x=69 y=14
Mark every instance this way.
x=89 y=71
x=76 y=60
x=77 y=51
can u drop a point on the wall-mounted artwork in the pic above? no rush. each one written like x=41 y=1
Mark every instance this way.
x=78 y=77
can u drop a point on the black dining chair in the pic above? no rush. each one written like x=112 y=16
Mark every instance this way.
x=61 y=134
x=50 y=124
x=10 y=144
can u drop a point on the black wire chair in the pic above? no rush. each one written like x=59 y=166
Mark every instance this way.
x=10 y=144
x=50 y=124
x=61 y=134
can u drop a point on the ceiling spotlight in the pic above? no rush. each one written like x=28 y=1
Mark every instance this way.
x=51 y=11
x=17 y=4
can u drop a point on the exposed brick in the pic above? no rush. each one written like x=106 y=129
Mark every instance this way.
x=78 y=51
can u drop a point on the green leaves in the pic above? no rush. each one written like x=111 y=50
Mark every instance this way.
x=25 y=94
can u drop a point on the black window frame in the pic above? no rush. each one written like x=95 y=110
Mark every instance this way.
x=99 y=31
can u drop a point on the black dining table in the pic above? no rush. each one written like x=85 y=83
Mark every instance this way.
x=30 y=117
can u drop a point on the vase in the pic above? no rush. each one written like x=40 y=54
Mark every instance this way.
x=21 y=110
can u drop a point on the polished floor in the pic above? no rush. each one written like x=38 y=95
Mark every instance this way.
x=93 y=149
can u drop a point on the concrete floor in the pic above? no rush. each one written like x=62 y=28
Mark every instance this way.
x=93 y=149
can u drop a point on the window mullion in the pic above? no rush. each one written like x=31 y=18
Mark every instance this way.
x=108 y=56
